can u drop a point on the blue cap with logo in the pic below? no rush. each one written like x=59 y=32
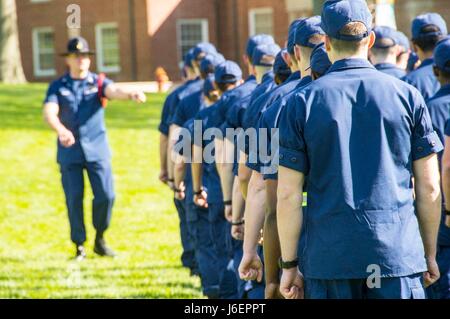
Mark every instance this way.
x=306 y=29
x=208 y=85
x=78 y=45
x=280 y=66
x=425 y=20
x=264 y=55
x=403 y=41
x=291 y=35
x=210 y=61
x=228 y=72
x=256 y=40
x=203 y=48
x=389 y=35
x=320 y=62
x=442 y=55
x=188 y=57
x=336 y=14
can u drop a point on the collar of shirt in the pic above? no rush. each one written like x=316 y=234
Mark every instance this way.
x=347 y=64
x=426 y=62
x=251 y=78
x=444 y=90
x=294 y=76
x=305 y=80
x=268 y=76
x=384 y=66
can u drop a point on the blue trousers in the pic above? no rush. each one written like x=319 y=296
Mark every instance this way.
x=410 y=287
x=199 y=227
x=221 y=234
x=101 y=180
x=188 y=255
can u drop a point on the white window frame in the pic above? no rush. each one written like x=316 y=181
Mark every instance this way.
x=251 y=18
x=38 y=72
x=205 y=31
x=99 y=46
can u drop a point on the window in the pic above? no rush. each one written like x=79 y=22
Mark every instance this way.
x=190 y=32
x=44 y=52
x=261 y=21
x=108 y=52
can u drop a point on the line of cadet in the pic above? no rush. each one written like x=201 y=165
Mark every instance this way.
x=362 y=120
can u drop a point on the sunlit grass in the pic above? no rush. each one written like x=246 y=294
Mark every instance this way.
x=35 y=247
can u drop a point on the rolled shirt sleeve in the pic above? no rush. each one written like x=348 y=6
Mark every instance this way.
x=425 y=140
x=52 y=93
x=293 y=151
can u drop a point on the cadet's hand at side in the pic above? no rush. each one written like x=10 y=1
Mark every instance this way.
x=433 y=274
x=292 y=284
x=66 y=138
x=200 y=200
x=229 y=213
x=237 y=232
x=251 y=268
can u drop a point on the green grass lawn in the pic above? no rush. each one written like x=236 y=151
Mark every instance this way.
x=35 y=246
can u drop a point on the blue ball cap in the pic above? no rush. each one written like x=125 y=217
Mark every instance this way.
x=385 y=33
x=336 y=14
x=291 y=35
x=425 y=20
x=208 y=85
x=280 y=66
x=204 y=47
x=210 y=61
x=228 y=72
x=188 y=57
x=264 y=55
x=403 y=41
x=442 y=55
x=256 y=40
x=320 y=62
x=306 y=29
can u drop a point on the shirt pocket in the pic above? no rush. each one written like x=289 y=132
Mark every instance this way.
x=376 y=217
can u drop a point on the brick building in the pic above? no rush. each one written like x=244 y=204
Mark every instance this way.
x=133 y=37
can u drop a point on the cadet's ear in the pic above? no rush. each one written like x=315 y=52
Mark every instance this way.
x=372 y=38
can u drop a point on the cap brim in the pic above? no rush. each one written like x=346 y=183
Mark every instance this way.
x=69 y=53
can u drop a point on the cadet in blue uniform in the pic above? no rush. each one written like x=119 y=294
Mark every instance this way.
x=439 y=106
x=308 y=33
x=166 y=173
x=385 y=51
x=197 y=217
x=228 y=76
x=358 y=155
x=73 y=107
x=427 y=30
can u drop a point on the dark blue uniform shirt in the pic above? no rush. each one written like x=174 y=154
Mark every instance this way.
x=424 y=79
x=391 y=69
x=439 y=107
x=188 y=108
x=357 y=152
x=81 y=112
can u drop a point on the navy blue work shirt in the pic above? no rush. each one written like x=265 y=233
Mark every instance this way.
x=188 y=108
x=439 y=107
x=357 y=152
x=267 y=84
x=423 y=79
x=390 y=69
x=81 y=112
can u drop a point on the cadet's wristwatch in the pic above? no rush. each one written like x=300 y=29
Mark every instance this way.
x=288 y=264
x=447 y=212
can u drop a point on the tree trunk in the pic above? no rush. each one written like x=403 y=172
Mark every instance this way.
x=11 y=70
